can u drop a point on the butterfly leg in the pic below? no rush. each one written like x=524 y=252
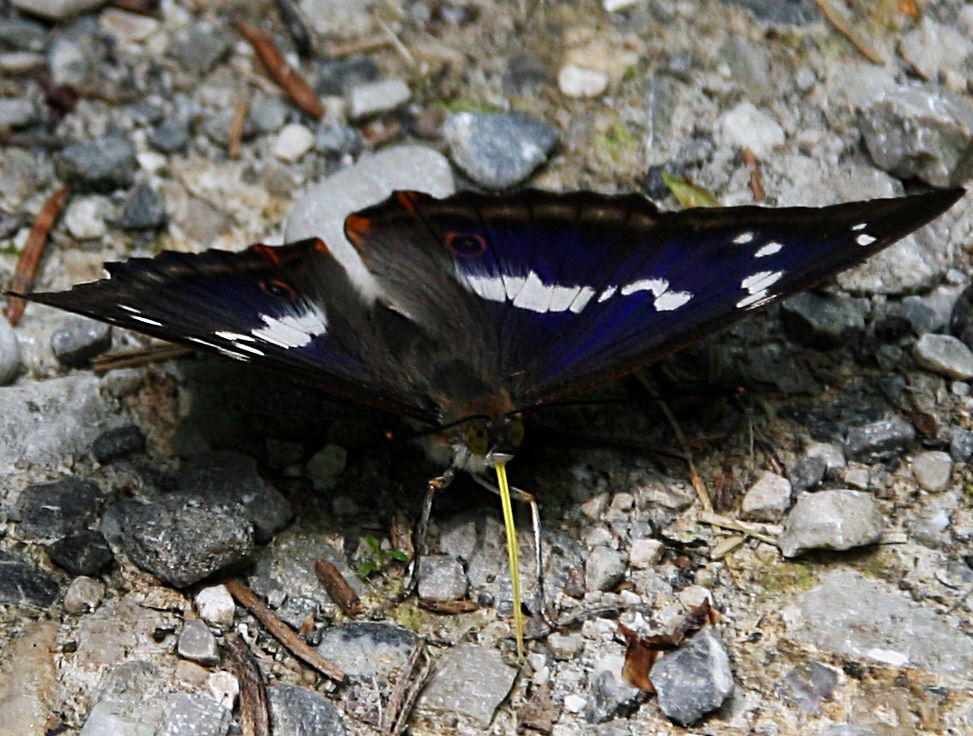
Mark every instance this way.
x=432 y=487
x=535 y=518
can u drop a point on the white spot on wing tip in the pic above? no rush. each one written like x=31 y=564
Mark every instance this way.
x=671 y=300
x=768 y=250
x=865 y=239
x=292 y=330
x=761 y=281
x=743 y=238
x=146 y=320
x=859 y=226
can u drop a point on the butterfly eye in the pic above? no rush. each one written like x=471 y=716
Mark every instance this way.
x=465 y=245
x=278 y=289
x=476 y=438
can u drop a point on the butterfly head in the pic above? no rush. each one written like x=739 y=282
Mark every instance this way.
x=478 y=443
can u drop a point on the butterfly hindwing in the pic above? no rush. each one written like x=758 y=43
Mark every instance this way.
x=565 y=291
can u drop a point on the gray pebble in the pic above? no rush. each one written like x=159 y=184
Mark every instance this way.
x=470 y=680
x=267 y=114
x=374 y=98
x=182 y=538
x=932 y=470
x=22 y=584
x=98 y=166
x=297 y=711
x=918 y=131
x=695 y=679
x=83 y=594
x=604 y=569
x=442 y=578
x=145 y=209
x=961 y=445
x=879 y=441
x=84 y=553
x=498 y=151
x=822 y=321
x=369 y=649
x=117 y=443
x=808 y=685
x=56 y=9
x=838 y=519
x=170 y=137
x=806 y=473
x=79 y=339
x=50 y=511
x=199 y=47
x=9 y=353
x=944 y=354
x=768 y=498
x=16 y=112
x=196 y=642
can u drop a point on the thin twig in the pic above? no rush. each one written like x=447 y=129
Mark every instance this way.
x=397 y=44
x=844 y=26
x=254 y=706
x=137 y=357
x=694 y=475
x=282 y=632
x=282 y=72
x=756 y=180
x=30 y=256
x=402 y=699
x=763 y=532
x=338 y=588
x=236 y=129
x=358 y=47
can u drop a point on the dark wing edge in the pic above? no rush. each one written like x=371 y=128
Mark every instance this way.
x=890 y=220
x=163 y=296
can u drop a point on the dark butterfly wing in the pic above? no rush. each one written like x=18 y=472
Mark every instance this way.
x=566 y=291
x=292 y=309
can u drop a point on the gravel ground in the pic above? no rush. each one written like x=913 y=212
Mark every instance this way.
x=838 y=557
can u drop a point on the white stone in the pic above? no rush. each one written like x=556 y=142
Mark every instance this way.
x=831 y=453
x=644 y=553
x=613 y=6
x=944 y=354
x=151 y=161
x=56 y=9
x=224 y=688
x=9 y=352
x=321 y=212
x=292 y=143
x=215 y=606
x=749 y=127
x=932 y=470
x=574 y=703
x=85 y=218
x=372 y=98
x=125 y=26
x=768 y=499
x=576 y=81
x=933 y=48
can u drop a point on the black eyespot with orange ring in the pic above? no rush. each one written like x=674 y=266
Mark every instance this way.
x=465 y=245
x=278 y=288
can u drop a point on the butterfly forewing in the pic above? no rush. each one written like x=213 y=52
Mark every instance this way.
x=291 y=309
x=569 y=290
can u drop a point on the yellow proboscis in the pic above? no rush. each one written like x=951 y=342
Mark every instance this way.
x=512 y=557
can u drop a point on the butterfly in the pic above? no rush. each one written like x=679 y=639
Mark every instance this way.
x=490 y=306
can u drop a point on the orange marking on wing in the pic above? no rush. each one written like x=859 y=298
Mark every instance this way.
x=269 y=253
x=356 y=228
x=408 y=201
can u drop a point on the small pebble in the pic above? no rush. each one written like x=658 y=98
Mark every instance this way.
x=145 y=209
x=85 y=217
x=197 y=643
x=574 y=703
x=604 y=569
x=374 y=98
x=325 y=466
x=932 y=470
x=83 y=594
x=224 y=688
x=9 y=353
x=118 y=443
x=442 y=578
x=749 y=127
x=293 y=142
x=79 y=339
x=961 y=445
x=768 y=499
x=944 y=354
x=879 y=441
x=215 y=606
x=644 y=553
x=575 y=81
x=838 y=519
x=56 y=9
